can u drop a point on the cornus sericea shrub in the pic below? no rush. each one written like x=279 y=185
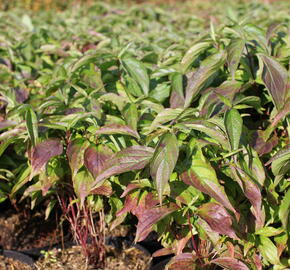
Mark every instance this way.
x=159 y=115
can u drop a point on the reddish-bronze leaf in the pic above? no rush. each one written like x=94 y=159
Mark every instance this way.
x=42 y=153
x=75 y=153
x=148 y=218
x=131 y=158
x=183 y=261
x=260 y=145
x=230 y=263
x=105 y=189
x=218 y=218
x=95 y=158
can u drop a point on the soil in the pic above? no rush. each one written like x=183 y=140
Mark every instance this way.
x=71 y=259
x=11 y=264
x=24 y=231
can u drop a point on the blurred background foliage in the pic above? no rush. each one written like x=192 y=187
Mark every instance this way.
x=36 y=5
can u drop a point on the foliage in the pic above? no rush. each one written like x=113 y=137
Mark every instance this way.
x=156 y=114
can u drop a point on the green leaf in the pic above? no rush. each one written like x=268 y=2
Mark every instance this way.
x=32 y=126
x=234 y=124
x=281 y=162
x=284 y=210
x=82 y=183
x=268 y=250
x=130 y=114
x=163 y=162
x=192 y=53
x=203 y=177
x=138 y=72
x=117 y=129
x=268 y=231
x=235 y=50
x=164 y=116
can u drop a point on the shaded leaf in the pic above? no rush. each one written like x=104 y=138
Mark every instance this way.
x=163 y=162
x=31 y=125
x=217 y=218
x=82 y=183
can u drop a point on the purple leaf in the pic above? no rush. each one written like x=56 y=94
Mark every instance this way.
x=129 y=188
x=131 y=158
x=42 y=153
x=252 y=192
x=199 y=77
x=75 y=153
x=260 y=145
x=183 y=261
x=164 y=160
x=230 y=263
x=275 y=78
x=227 y=89
x=96 y=157
x=217 y=218
x=148 y=218
x=177 y=95
x=105 y=189
x=235 y=51
x=117 y=129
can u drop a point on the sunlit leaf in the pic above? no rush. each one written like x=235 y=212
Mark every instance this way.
x=217 y=218
x=163 y=162
x=42 y=153
x=275 y=78
x=233 y=124
x=131 y=158
x=203 y=177
x=138 y=72
x=230 y=263
x=117 y=129
x=199 y=77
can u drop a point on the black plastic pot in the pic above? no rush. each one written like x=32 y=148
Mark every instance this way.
x=15 y=255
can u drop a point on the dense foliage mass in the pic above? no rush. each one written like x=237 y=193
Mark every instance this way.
x=172 y=116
